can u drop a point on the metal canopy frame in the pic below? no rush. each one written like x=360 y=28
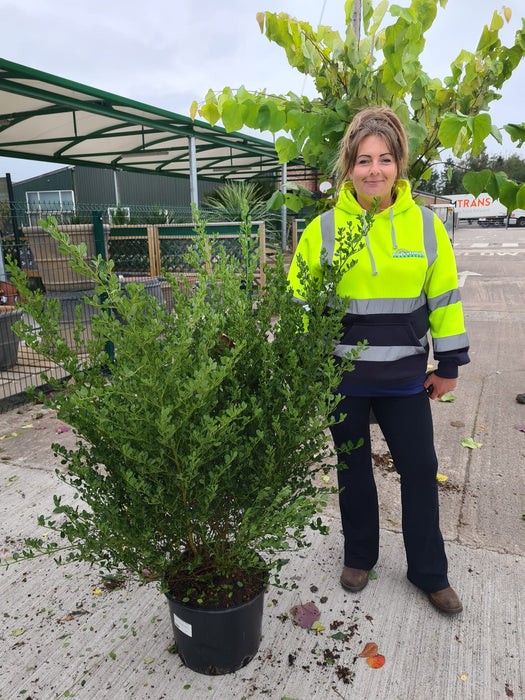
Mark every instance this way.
x=45 y=117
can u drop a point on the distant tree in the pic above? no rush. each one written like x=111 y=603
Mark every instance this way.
x=432 y=185
x=514 y=168
x=449 y=178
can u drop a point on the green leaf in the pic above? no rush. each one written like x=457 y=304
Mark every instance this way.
x=276 y=201
x=476 y=183
x=471 y=443
x=508 y=193
x=448 y=397
x=494 y=184
x=294 y=203
x=516 y=132
x=338 y=636
x=481 y=128
x=449 y=131
x=520 y=197
x=211 y=97
x=377 y=17
x=210 y=112
x=286 y=148
x=232 y=115
x=372 y=575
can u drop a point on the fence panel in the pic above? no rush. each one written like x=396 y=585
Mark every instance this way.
x=141 y=251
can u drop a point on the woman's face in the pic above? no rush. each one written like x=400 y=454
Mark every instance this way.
x=374 y=172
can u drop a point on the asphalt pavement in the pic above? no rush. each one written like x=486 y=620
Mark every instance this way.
x=65 y=634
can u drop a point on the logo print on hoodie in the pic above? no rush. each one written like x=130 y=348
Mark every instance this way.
x=404 y=253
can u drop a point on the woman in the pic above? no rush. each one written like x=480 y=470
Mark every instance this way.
x=403 y=285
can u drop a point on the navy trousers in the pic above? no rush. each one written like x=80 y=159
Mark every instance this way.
x=406 y=423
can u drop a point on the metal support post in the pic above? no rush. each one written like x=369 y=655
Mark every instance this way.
x=194 y=192
x=283 y=209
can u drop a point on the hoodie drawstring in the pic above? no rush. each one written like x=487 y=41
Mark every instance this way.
x=374 y=268
x=394 y=242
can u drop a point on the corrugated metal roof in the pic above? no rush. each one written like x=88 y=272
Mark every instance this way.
x=45 y=117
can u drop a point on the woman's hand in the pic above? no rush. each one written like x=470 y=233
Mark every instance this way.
x=440 y=385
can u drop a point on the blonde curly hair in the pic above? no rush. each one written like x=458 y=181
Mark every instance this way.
x=372 y=121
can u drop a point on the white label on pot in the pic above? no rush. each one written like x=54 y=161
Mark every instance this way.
x=184 y=627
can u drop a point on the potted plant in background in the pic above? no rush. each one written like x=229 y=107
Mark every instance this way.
x=9 y=313
x=200 y=436
x=9 y=341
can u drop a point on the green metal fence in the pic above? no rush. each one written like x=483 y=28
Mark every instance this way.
x=142 y=247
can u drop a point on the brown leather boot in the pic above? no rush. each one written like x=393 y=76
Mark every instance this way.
x=446 y=600
x=353 y=580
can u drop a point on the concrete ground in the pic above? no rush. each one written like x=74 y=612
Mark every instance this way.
x=65 y=634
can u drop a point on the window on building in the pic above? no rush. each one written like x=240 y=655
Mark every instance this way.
x=59 y=203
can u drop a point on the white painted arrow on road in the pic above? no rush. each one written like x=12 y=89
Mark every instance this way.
x=462 y=276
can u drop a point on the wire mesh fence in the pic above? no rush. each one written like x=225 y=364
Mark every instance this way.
x=142 y=246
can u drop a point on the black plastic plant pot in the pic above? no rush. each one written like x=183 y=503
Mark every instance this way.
x=215 y=642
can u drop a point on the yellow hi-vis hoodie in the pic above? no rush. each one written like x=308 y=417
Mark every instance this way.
x=403 y=285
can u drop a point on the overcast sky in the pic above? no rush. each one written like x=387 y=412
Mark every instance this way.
x=168 y=53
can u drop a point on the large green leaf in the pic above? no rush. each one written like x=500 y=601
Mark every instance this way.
x=270 y=118
x=476 y=183
x=210 y=112
x=520 y=197
x=516 y=132
x=276 y=201
x=294 y=203
x=232 y=115
x=481 y=128
x=494 y=184
x=286 y=148
x=377 y=17
x=424 y=11
x=449 y=130
x=508 y=193
x=251 y=110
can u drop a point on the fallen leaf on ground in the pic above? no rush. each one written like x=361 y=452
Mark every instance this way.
x=463 y=677
x=372 y=575
x=149 y=659
x=471 y=443
x=457 y=424
x=441 y=477
x=317 y=626
x=28 y=425
x=338 y=636
x=305 y=615
x=369 y=650
x=17 y=632
x=376 y=661
x=40 y=427
x=62 y=429
x=520 y=427
x=448 y=397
